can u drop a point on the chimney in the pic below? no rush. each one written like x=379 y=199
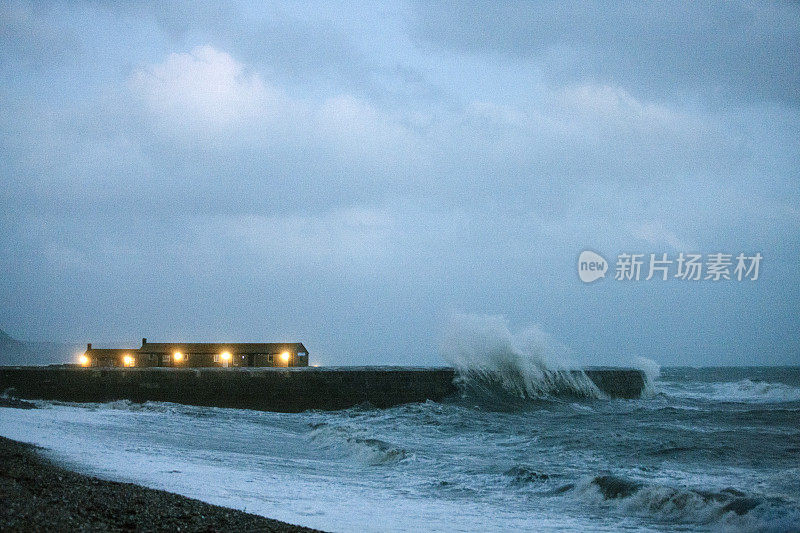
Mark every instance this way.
x=144 y=341
x=88 y=346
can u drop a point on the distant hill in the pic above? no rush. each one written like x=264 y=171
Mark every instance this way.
x=16 y=352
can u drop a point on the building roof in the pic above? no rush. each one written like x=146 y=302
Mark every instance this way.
x=218 y=347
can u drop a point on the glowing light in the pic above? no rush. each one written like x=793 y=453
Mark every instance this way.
x=178 y=357
x=285 y=357
x=84 y=360
x=226 y=356
x=127 y=360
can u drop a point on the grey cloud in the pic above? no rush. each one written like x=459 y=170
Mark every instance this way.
x=256 y=172
x=678 y=50
x=29 y=36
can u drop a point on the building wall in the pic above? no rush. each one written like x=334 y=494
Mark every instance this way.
x=144 y=358
x=105 y=361
x=109 y=357
x=209 y=360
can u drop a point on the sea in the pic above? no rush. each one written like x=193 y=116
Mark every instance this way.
x=705 y=449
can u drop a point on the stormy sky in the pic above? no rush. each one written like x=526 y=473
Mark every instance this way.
x=352 y=176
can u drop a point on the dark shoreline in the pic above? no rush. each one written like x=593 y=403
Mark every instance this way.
x=40 y=496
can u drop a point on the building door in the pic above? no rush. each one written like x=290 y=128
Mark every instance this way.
x=251 y=359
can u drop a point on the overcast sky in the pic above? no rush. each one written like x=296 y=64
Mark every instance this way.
x=350 y=177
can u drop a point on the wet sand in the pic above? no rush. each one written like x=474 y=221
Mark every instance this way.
x=37 y=495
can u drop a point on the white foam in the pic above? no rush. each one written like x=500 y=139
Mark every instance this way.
x=743 y=391
x=264 y=463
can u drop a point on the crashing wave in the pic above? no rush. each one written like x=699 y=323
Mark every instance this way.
x=494 y=363
x=651 y=371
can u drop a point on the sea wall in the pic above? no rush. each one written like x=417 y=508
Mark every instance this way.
x=627 y=383
x=267 y=389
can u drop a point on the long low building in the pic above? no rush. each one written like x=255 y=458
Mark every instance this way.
x=199 y=354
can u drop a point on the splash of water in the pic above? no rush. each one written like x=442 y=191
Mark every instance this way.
x=492 y=361
x=652 y=371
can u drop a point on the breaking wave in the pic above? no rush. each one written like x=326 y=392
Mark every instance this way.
x=350 y=442
x=499 y=366
x=524 y=474
x=728 y=508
